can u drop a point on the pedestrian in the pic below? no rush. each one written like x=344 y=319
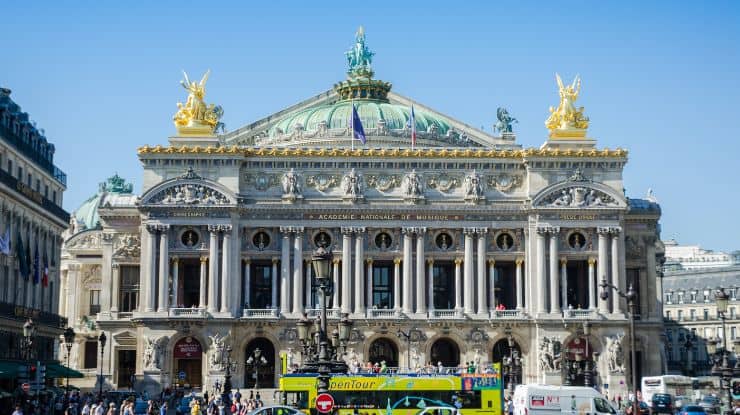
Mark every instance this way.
x=111 y=409
x=163 y=408
x=18 y=410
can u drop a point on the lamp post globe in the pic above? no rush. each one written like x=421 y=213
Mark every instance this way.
x=101 y=339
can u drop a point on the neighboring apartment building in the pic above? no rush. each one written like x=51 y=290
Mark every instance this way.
x=32 y=219
x=690 y=282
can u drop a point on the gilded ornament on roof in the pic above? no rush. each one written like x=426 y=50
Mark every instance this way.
x=566 y=120
x=195 y=117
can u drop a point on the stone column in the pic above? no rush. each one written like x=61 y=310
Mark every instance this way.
x=116 y=276
x=213 y=270
x=458 y=285
x=421 y=307
x=430 y=296
x=248 y=283
x=369 y=297
x=335 y=304
x=175 y=281
x=151 y=267
x=601 y=272
x=591 y=284
x=408 y=299
x=274 y=289
x=308 y=282
x=226 y=280
x=469 y=303
x=203 y=282
x=564 y=283
x=482 y=286
x=346 y=299
x=359 y=272
x=164 y=268
x=285 y=272
x=492 y=283
x=519 y=284
x=541 y=270
x=554 y=270
x=106 y=290
x=616 y=278
x=652 y=272
x=397 y=284
x=298 y=307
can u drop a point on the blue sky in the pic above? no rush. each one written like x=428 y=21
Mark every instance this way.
x=659 y=79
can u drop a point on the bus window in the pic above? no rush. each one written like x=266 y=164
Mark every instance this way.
x=603 y=406
x=298 y=399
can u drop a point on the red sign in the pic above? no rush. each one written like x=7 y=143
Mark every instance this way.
x=578 y=347
x=324 y=403
x=26 y=387
x=187 y=348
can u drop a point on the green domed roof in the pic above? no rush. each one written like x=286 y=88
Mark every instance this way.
x=87 y=213
x=337 y=115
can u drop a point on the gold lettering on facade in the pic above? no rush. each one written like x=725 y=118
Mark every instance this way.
x=577 y=217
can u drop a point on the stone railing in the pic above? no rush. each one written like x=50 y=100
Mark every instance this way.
x=188 y=312
x=383 y=313
x=260 y=313
x=506 y=314
x=330 y=313
x=578 y=314
x=125 y=314
x=444 y=314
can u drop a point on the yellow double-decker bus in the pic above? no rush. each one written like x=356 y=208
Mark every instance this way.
x=398 y=394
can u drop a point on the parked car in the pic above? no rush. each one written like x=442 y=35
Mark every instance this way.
x=711 y=404
x=692 y=410
x=276 y=410
x=663 y=403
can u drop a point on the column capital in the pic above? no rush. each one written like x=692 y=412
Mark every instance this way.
x=157 y=227
x=602 y=230
x=359 y=230
x=108 y=238
x=615 y=230
x=275 y=260
x=481 y=231
x=285 y=230
x=369 y=261
x=203 y=259
x=346 y=230
x=248 y=261
x=458 y=261
x=336 y=261
x=554 y=230
x=563 y=261
x=591 y=261
x=430 y=261
x=115 y=265
x=469 y=231
x=543 y=230
x=491 y=261
x=175 y=259
x=519 y=261
x=397 y=261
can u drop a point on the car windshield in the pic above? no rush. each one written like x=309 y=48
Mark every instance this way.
x=694 y=408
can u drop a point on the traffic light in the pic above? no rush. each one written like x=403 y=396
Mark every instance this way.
x=32 y=372
x=41 y=375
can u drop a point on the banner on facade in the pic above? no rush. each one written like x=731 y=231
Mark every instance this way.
x=187 y=348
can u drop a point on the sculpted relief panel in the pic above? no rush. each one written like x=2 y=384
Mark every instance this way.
x=127 y=245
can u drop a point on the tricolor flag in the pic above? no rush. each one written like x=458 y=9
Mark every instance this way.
x=45 y=277
x=358 y=133
x=412 y=122
x=36 y=267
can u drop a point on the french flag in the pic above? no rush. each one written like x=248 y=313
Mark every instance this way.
x=412 y=121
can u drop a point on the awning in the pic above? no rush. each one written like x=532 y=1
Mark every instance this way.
x=55 y=370
x=9 y=370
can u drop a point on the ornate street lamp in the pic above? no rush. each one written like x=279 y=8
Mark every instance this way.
x=630 y=296
x=29 y=334
x=512 y=362
x=688 y=345
x=102 y=339
x=321 y=262
x=69 y=338
x=721 y=366
x=256 y=360
x=588 y=374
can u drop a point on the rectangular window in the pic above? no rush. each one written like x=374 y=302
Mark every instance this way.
x=129 y=294
x=732 y=313
x=383 y=287
x=20 y=173
x=91 y=355
x=94 y=302
x=260 y=292
x=707 y=333
x=46 y=191
x=733 y=332
x=444 y=286
x=668 y=314
x=54 y=196
x=680 y=298
x=10 y=166
x=706 y=314
x=680 y=315
x=669 y=298
x=693 y=297
x=706 y=296
x=38 y=185
x=29 y=180
x=692 y=314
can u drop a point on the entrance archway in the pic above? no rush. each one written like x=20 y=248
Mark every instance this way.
x=502 y=353
x=445 y=351
x=260 y=371
x=188 y=356
x=383 y=350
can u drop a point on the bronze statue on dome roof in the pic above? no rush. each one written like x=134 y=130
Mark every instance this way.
x=360 y=57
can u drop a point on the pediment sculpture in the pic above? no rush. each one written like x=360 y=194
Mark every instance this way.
x=474 y=188
x=578 y=197
x=89 y=240
x=615 y=353
x=127 y=245
x=153 y=349
x=291 y=182
x=189 y=194
x=413 y=189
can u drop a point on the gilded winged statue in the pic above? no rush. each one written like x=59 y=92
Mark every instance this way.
x=195 y=116
x=566 y=116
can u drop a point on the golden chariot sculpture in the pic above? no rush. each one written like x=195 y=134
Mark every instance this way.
x=195 y=117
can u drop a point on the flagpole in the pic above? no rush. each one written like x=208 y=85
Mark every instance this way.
x=352 y=124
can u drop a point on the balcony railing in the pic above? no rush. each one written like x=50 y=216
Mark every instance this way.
x=506 y=314
x=260 y=313
x=445 y=314
x=330 y=313
x=17 y=312
x=188 y=313
x=578 y=314
x=383 y=313
x=33 y=195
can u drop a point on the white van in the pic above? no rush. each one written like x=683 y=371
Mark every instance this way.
x=560 y=400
